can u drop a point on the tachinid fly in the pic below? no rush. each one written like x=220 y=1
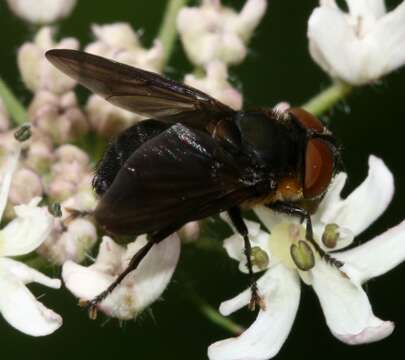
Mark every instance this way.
x=196 y=157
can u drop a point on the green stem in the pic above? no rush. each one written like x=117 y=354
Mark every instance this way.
x=209 y=312
x=327 y=98
x=168 y=31
x=13 y=106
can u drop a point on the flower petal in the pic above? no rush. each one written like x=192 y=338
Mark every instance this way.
x=264 y=338
x=84 y=282
x=7 y=172
x=22 y=310
x=27 y=274
x=27 y=231
x=271 y=218
x=366 y=203
x=155 y=271
x=377 y=256
x=235 y=247
x=385 y=43
x=346 y=307
x=365 y=8
x=334 y=46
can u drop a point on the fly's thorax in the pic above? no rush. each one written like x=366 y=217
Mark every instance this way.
x=269 y=141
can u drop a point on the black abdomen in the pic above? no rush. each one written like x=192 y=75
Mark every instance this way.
x=121 y=149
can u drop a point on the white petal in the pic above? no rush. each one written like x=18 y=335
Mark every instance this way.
x=378 y=255
x=22 y=310
x=385 y=43
x=7 y=171
x=235 y=246
x=364 y=8
x=27 y=274
x=264 y=338
x=366 y=203
x=27 y=231
x=346 y=307
x=334 y=46
x=271 y=219
x=155 y=271
x=84 y=282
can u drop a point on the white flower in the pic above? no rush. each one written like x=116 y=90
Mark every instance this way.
x=360 y=46
x=346 y=307
x=121 y=43
x=215 y=83
x=215 y=32
x=21 y=236
x=42 y=11
x=36 y=71
x=138 y=290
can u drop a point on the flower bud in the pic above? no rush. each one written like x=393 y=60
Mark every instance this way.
x=25 y=186
x=120 y=42
x=73 y=244
x=60 y=189
x=41 y=11
x=106 y=119
x=215 y=32
x=216 y=84
x=71 y=153
x=39 y=155
x=58 y=116
x=37 y=73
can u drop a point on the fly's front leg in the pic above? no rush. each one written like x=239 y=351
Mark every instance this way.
x=153 y=239
x=237 y=220
x=293 y=210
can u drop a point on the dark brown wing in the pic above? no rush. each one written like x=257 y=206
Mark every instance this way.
x=178 y=176
x=137 y=90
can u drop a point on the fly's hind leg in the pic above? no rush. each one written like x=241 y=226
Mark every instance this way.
x=293 y=210
x=237 y=220
x=153 y=239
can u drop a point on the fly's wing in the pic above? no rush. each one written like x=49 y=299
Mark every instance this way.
x=178 y=176
x=137 y=90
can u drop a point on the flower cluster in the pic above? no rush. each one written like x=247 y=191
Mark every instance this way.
x=355 y=47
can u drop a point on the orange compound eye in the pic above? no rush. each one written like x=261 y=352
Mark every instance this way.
x=319 y=165
x=306 y=119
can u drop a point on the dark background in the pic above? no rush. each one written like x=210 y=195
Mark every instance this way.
x=278 y=68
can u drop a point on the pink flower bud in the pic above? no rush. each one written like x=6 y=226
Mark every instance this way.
x=215 y=32
x=25 y=186
x=72 y=154
x=73 y=244
x=108 y=120
x=37 y=73
x=58 y=116
x=216 y=84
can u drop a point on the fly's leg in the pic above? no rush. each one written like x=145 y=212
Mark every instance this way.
x=237 y=220
x=293 y=210
x=153 y=239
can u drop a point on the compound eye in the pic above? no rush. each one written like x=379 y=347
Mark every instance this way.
x=319 y=164
x=306 y=119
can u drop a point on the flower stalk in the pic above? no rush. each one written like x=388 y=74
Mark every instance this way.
x=327 y=98
x=213 y=315
x=13 y=106
x=168 y=32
